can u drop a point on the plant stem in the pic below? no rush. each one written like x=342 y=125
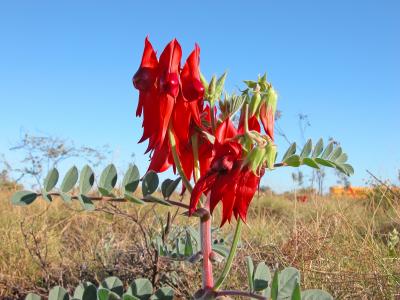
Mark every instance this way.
x=213 y=123
x=195 y=147
x=205 y=221
x=178 y=164
x=117 y=199
x=205 y=233
x=246 y=118
x=231 y=255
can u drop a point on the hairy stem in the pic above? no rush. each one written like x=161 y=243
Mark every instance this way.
x=213 y=121
x=195 y=146
x=231 y=256
x=246 y=118
x=205 y=233
x=117 y=199
x=205 y=221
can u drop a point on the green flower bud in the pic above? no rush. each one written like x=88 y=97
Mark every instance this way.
x=272 y=99
x=254 y=104
x=211 y=90
x=270 y=155
x=255 y=158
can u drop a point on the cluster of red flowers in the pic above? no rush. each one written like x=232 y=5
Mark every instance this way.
x=170 y=97
x=171 y=100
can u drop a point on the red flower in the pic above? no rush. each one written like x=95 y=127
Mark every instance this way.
x=267 y=119
x=227 y=180
x=167 y=95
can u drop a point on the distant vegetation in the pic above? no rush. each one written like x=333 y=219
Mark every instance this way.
x=347 y=247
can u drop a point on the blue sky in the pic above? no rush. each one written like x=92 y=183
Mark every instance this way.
x=66 y=68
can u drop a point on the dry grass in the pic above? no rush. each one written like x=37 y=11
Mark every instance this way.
x=339 y=246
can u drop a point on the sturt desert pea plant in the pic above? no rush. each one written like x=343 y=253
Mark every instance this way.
x=220 y=145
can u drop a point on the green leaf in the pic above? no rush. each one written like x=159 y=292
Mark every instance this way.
x=328 y=150
x=324 y=162
x=113 y=284
x=133 y=199
x=141 y=288
x=23 y=198
x=85 y=291
x=293 y=161
x=127 y=296
x=319 y=146
x=150 y=183
x=51 y=180
x=250 y=83
x=288 y=278
x=275 y=286
x=86 y=202
x=70 y=179
x=58 y=293
x=105 y=294
x=306 y=149
x=164 y=186
x=221 y=249
x=131 y=179
x=86 y=180
x=296 y=295
x=188 y=245
x=262 y=277
x=310 y=162
x=108 y=180
x=153 y=199
x=348 y=169
x=164 y=293
x=250 y=272
x=335 y=154
x=171 y=187
x=289 y=152
x=315 y=295
x=32 y=296
x=342 y=158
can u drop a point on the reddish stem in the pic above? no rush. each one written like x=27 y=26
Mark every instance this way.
x=205 y=232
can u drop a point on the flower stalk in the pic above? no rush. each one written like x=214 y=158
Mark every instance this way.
x=231 y=256
x=205 y=233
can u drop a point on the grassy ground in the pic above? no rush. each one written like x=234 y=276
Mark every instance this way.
x=338 y=245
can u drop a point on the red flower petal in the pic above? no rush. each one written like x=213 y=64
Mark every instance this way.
x=192 y=88
x=161 y=158
x=147 y=72
x=169 y=66
x=245 y=190
x=203 y=185
x=267 y=119
x=166 y=106
x=225 y=130
x=253 y=124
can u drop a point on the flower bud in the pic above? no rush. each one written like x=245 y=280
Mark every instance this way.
x=272 y=99
x=255 y=159
x=254 y=104
x=270 y=155
x=211 y=90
